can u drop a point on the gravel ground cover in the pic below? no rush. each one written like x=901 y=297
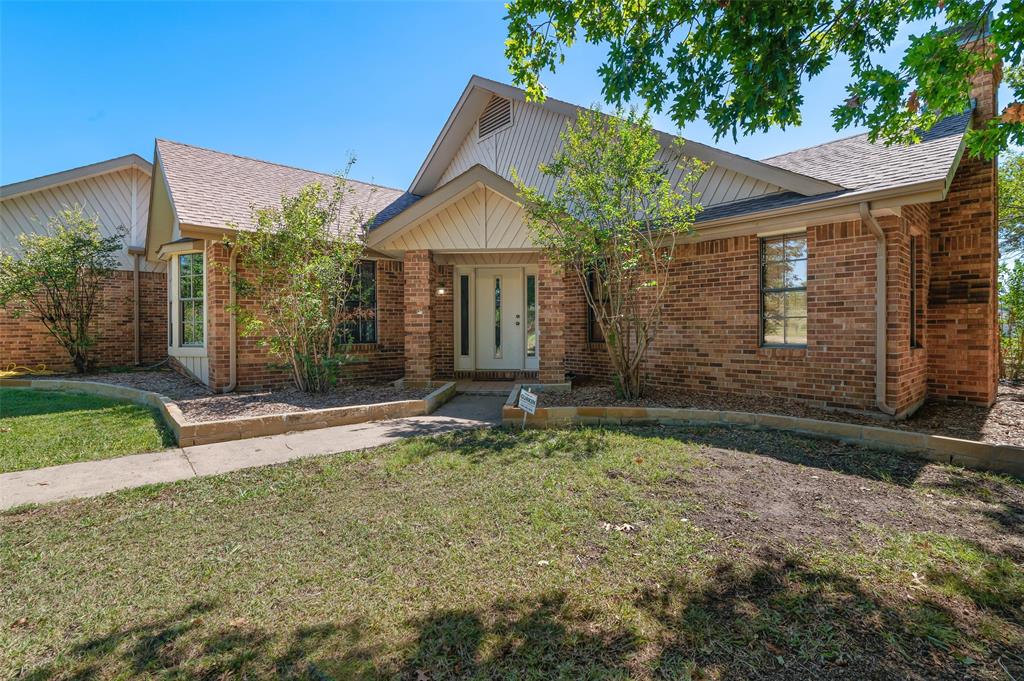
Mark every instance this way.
x=1003 y=423
x=198 y=403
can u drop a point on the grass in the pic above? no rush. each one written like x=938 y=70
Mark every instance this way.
x=487 y=554
x=48 y=428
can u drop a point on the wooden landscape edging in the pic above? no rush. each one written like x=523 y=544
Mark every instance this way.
x=968 y=453
x=206 y=432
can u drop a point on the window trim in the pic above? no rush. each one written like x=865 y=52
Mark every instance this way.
x=174 y=303
x=591 y=316
x=915 y=327
x=763 y=290
x=180 y=302
x=376 y=325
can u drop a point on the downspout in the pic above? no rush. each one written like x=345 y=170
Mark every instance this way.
x=232 y=332
x=881 y=322
x=138 y=336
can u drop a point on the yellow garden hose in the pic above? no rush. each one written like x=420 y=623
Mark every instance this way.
x=12 y=370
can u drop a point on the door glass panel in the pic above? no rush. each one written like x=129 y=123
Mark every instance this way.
x=464 y=315
x=531 y=315
x=497 y=318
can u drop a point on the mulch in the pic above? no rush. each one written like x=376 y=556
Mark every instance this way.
x=198 y=403
x=1002 y=423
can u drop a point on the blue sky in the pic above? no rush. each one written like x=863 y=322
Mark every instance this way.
x=296 y=83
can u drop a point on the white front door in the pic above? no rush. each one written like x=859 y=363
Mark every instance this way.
x=500 y=318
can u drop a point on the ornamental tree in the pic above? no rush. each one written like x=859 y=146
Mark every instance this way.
x=612 y=221
x=742 y=65
x=57 y=278
x=301 y=267
x=1011 y=203
x=1011 y=312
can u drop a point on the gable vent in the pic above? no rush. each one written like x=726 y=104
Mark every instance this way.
x=496 y=116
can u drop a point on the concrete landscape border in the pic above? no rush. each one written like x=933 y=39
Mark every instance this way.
x=187 y=434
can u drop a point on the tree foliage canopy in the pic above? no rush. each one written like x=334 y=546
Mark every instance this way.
x=57 y=278
x=613 y=219
x=742 y=64
x=300 y=266
x=1011 y=313
x=1011 y=203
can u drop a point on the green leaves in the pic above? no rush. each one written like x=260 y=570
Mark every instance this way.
x=57 y=277
x=297 y=268
x=742 y=64
x=619 y=202
x=1011 y=203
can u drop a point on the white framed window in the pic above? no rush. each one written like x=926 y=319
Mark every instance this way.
x=187 y=302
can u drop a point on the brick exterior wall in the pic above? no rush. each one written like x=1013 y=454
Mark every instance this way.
x=963 y=359
x=552 y=299
x=443 y=335
x=419 y=316
x=255 y=366
x=27 y=343
x=709 y=338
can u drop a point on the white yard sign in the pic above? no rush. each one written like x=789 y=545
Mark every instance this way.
x=527 y=401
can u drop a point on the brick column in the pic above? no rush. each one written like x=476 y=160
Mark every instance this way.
x=551 y=320
x=419 y=317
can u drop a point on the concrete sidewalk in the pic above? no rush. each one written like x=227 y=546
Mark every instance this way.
x=91 y=478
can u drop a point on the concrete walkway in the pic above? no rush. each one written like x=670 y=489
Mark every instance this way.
x=91 y=478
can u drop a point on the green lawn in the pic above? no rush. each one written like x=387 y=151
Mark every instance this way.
x=48 y=428
x=556 y=554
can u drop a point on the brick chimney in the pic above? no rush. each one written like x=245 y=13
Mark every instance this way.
x=985 y=83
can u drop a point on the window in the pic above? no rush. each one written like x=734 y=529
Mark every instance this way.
x=913 y=293
x=170 y=306
x=190 y=299
x=531 y=315
x=497 y=318
x=600 y=295
x=464 y=315
x=362 y=297
x=784 y=290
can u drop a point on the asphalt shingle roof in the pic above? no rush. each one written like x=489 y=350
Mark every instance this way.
x=856 y=163
x=214 y=189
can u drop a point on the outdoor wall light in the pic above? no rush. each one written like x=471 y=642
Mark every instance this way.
x=441 y=291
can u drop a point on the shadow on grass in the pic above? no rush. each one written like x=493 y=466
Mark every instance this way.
x=777 y=616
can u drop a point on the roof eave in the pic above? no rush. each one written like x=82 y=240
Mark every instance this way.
x=63 y=177
x=879 y=199
x=787 y=179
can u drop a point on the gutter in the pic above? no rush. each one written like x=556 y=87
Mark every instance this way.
x=881 y=288
x=135 y=252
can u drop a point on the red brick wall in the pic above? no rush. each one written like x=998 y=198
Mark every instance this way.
x=907 y=366
x=27 y=343
x=553 y=300
x=419 y=309
x=256 y=367
x=709 y=336
x=443 y=337
x=962 y=298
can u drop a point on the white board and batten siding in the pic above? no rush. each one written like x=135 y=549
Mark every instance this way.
x=116 y=199
x=481 y=220
x=534 y=138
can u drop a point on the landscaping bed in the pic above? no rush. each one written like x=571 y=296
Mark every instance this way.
x=628 y=552
x=199 y=404
x=1003 y=423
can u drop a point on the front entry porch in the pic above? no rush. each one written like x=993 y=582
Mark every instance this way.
x=482 y=318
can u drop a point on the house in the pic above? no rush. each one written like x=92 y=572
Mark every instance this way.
x=116 y=191
x=890 y=257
